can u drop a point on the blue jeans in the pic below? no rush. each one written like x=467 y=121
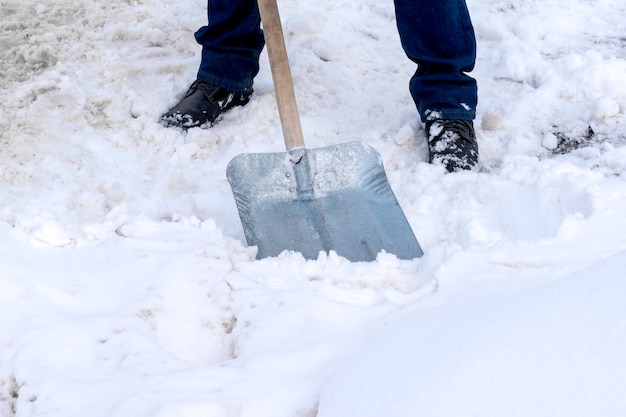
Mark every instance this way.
x=436 y=34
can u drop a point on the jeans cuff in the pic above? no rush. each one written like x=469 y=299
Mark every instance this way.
x=430 y=115
x=222 y=82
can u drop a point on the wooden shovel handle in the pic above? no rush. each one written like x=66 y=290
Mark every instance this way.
x=281 y=74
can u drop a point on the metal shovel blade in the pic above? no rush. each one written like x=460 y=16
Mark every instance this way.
x=311 y=200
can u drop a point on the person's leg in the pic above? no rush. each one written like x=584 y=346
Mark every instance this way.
x=231 y=44
x=439 y=37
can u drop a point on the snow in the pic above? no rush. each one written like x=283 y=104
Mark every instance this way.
x=126 y=288
x=551 y=353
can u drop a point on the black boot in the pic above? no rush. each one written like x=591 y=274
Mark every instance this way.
x=202 y=106
x=452 y=143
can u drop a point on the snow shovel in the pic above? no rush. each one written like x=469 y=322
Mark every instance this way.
x=311 y=200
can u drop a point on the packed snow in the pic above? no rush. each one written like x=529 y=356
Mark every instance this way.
x=126 y=286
